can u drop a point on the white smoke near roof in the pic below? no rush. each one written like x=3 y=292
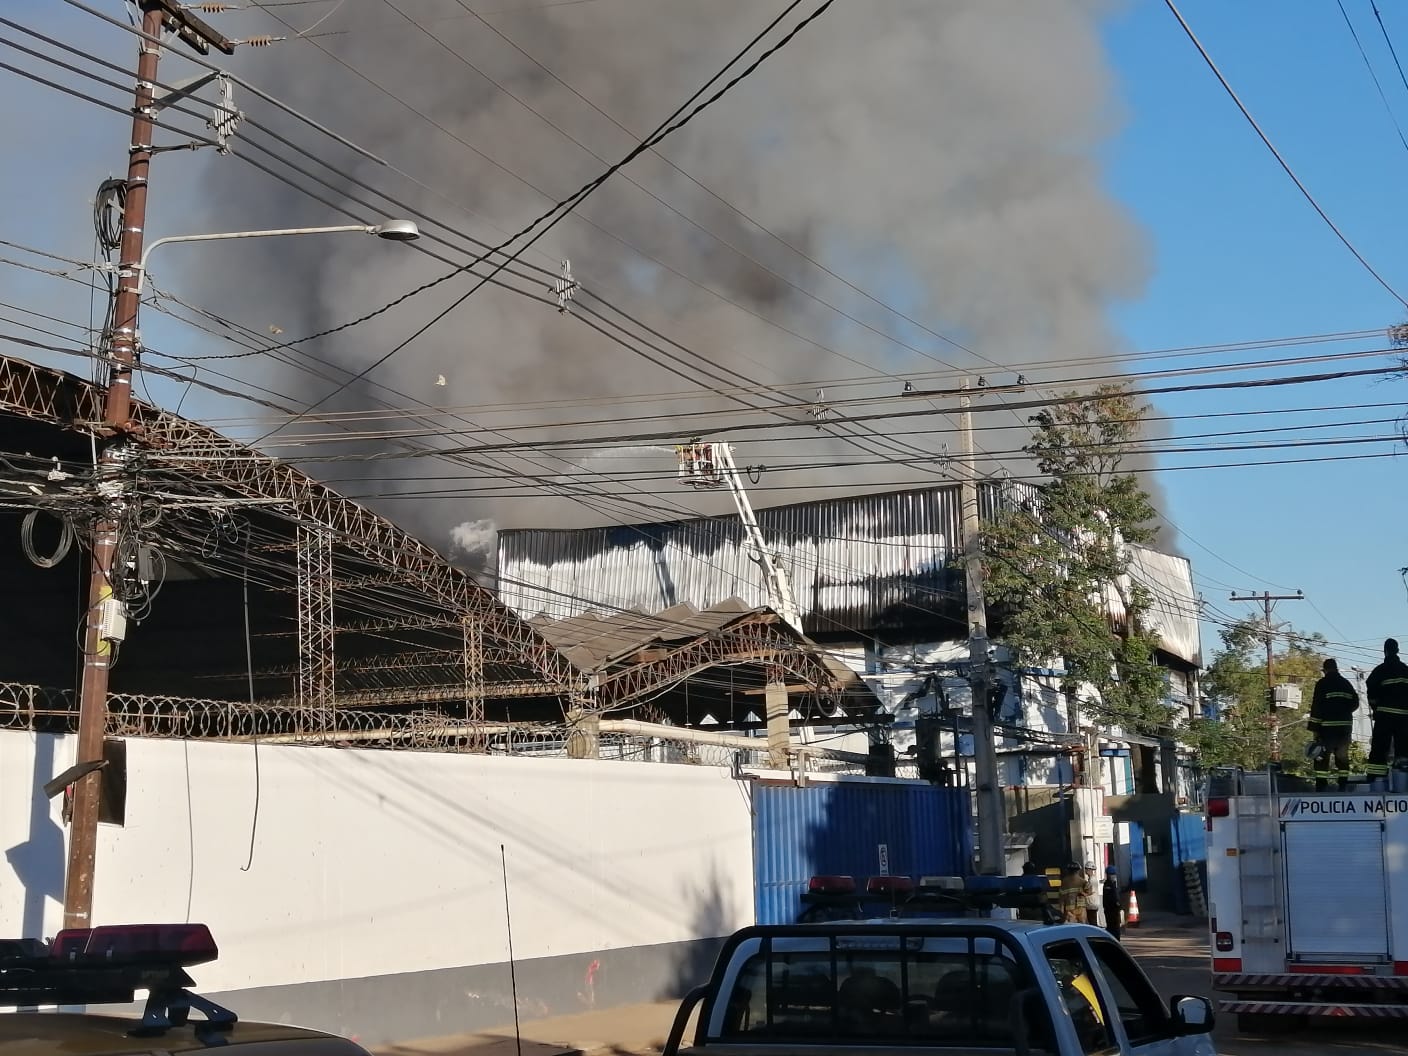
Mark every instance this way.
x=939 y=154
x=474 y=545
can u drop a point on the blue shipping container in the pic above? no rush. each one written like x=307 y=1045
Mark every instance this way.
x=853 y=828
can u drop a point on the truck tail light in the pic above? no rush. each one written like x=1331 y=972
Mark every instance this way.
x=832 y=885
x=1219 y=807
x=1223 y=942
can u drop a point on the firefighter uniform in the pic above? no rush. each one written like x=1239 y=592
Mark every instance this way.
x=1387 y=689
x=1331 y=720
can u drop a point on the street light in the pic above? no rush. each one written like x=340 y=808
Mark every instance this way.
x=105 y=621
x=391 y=230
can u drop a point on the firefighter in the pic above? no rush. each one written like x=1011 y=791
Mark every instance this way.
x=1072 y=895
x=1331 y=716
x=1041 y=908
x=1092 y=895
x=1111 y=896
x=1387 y=689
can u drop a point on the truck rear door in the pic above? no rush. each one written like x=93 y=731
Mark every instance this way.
x=1336 y=895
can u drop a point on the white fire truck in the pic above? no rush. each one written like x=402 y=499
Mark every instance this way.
x=1307 y=900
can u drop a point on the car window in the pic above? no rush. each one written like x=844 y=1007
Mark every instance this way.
x=1138 y=1004
x=958 y=997
x=1076 y=980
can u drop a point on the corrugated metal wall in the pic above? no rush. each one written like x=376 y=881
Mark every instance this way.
x=857 y=564
x=858 y=829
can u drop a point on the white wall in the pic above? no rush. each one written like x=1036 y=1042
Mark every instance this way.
x=367 y=863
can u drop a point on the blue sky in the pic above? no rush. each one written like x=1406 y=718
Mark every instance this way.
x=1240 y=255
x=1237 y=254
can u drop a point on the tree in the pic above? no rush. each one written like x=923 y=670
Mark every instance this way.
x=1235 y=683
x=1054 y=565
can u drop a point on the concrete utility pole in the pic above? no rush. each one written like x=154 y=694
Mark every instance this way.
x=1268 y=602
x=991 y=810
x=105 y=618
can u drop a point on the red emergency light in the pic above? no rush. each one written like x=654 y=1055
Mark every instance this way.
x=889 y=885
x=181 y=945
x=832 y=885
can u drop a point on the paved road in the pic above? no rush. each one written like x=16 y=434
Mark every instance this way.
x=1172 y=950
x=1176 y=957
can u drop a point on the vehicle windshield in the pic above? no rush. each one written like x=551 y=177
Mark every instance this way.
x=959 y=990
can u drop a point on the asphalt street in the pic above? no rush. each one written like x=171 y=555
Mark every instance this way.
x=1173 y=950
x=1175 y=954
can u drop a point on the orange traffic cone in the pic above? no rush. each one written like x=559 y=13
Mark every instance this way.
x=1131 y=916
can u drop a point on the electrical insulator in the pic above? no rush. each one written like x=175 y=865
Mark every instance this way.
x=258 y=42
x=210 y=8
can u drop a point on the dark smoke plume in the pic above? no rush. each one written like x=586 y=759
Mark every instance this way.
x=939 y=154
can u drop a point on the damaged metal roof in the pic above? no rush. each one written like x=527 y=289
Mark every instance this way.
x=594 y=639
x=595 y=642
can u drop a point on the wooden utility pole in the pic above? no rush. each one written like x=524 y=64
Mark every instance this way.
x=1268 y=602
x=991 y=810
x=105 y=618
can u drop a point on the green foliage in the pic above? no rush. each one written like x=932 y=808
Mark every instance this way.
x=1051 y=568
x=1235 y=682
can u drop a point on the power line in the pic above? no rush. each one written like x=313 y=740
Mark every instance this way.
x=554 y=215
x=1369 y=66
x=1389 y=41
x=1285 y=165
x=1276 y=382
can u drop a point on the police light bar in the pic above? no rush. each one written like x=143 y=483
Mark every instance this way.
x=141 y=945
x=929 y=884
x=832 y=885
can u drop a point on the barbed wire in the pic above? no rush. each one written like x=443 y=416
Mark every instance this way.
x=44 y=709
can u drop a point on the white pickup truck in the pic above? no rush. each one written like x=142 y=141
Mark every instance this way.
x=980 y=986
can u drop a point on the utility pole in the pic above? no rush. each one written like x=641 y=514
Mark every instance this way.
x=1268 y=602
x=991 y=810
x=105 y=618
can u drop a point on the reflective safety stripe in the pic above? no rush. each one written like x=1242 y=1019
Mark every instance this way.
x=1334 y=722
x=1339 y=694
x=1376 y=769
x=1386 y=710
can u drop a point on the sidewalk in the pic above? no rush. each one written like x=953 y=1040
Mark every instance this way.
x=628 y=1029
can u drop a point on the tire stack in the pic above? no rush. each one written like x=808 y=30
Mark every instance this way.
x=1193 y=884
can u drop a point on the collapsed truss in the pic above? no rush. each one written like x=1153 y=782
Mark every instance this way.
x=340 y=550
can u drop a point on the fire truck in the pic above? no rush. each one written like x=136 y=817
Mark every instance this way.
x=1307 y=900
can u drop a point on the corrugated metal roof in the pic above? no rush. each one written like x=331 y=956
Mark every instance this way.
x=1173 y=607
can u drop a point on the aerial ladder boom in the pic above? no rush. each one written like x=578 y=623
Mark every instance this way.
x=711 y=465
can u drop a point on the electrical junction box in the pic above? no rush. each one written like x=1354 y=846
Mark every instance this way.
x=1286 y=696
x=112 y=620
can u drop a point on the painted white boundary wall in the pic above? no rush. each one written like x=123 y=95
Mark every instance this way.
x=368 y=863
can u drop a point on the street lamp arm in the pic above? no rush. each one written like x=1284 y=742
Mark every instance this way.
x=393 y=230
x=142 y=267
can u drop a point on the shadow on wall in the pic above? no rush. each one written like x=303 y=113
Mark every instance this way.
x=709 y=922
x=38 y=862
